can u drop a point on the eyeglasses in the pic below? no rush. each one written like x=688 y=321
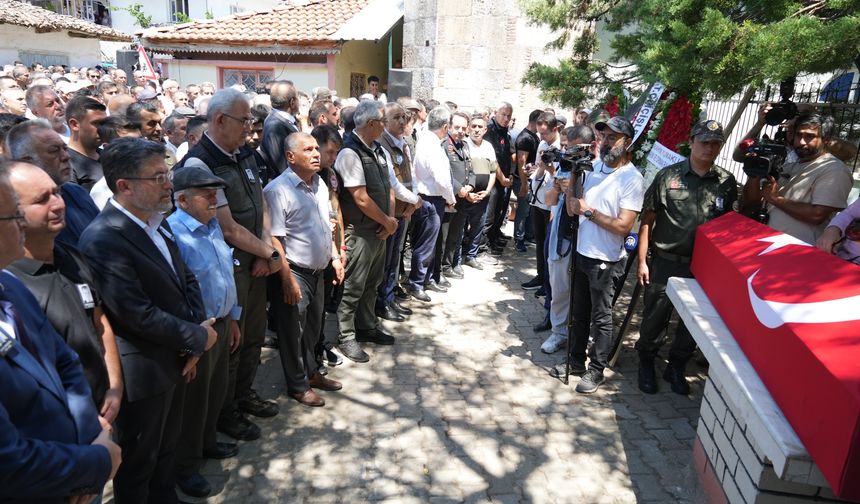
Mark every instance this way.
x=247 y=121
x=160 y=179
x=19 y=218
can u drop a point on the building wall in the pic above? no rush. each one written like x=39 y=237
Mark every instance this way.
x=474 y=53
x=360 y=56
x=305 y=76
x=160 y=11
x=80 y=51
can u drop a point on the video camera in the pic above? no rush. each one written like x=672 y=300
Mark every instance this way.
x=763 y=159
x=576 y=159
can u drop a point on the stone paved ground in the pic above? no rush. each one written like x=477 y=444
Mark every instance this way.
x=461 y=409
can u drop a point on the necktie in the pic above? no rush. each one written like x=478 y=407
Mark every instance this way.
x=11 y=313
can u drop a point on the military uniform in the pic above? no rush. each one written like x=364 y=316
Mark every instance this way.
x=681 y=200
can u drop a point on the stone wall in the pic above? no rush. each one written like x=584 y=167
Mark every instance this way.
x=474 y=53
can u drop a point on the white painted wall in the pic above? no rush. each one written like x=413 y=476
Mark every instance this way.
x=305 y=77
x=160 y=10
x=81 y=51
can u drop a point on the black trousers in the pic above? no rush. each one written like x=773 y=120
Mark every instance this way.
x=540 y=223
x=441 y=239
x=658 y=310
x=298 y=328
x=594 y=286
x=497 y=212
x=148 y=431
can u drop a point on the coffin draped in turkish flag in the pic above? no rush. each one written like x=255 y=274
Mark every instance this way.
x=795 y=312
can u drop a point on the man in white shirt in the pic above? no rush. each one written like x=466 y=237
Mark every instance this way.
x=612 y=199
x=432 y=181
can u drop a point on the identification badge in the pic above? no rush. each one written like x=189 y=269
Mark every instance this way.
x=86 y=296
x=6 y=344
x=250 y=174
x=719 y=203
x=398 y=159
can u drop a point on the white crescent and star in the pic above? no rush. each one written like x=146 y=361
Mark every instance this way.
x=773 y=314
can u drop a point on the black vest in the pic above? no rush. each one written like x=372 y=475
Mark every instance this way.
x=376 y=183
x=244 y=192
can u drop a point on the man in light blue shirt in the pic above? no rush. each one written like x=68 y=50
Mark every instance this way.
x=203 y=249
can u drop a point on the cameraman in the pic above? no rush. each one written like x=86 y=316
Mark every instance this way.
x=612 y=200
x=682 y=197
x=808 y=191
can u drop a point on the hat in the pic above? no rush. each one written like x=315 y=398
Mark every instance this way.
x=411 y=104
x=561 y=120
x=147 y=94
x=185 y=111
x=187 y=177
x=617 y=124
x=708 y=130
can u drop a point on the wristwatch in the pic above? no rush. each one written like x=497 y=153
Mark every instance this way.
x=275 y=256
x=588 y=214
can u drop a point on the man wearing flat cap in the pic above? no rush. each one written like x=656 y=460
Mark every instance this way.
x=611 y=199
x=681 y=197
x=203 y=249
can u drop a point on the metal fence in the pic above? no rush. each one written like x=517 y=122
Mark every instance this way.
x=838 y=96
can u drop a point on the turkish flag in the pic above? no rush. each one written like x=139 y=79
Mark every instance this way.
x=795 y=312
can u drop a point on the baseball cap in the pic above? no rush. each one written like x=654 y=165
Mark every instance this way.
x=185 y=111
x=147 y=94
x=411 y=104
x=708 y=130
x=617 y=124
x=195 y=176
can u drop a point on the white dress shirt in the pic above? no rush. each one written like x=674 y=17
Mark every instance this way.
x=150 y=227
x=431 y=169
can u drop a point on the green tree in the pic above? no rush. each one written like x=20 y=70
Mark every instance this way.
x=136 y=11
x=695 y=46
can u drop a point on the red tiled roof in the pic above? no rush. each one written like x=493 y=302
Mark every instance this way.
x=23 y=14
x=309 y=23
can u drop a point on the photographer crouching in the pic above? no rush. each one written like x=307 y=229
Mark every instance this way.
x=798 y=198
x=612 y=198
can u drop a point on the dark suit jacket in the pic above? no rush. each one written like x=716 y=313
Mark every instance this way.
x=154 y=312
x=276 y=129
x=47 y=416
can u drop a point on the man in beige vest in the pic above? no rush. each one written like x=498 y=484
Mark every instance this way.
x=399 y=159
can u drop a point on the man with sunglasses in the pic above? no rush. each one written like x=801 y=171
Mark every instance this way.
x=241 y=208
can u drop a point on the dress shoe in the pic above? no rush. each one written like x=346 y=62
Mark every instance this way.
x=374 y=336
x=452 y=273
x=399 y=308
x=194 y=485
x=435 y=287
x=221 y=451
x=521 y=246
x=353 y=351
x=253 y=405
x=308 y=398
x=647 y=375
x=473 y=263
x=545 y=325
x=238 y=427
x=541 y=292
x=444 y=282
x=420 y=295
x=318 y=381
x=271 y=339
x=674 y=374
x=400 y=293
x=389 y=313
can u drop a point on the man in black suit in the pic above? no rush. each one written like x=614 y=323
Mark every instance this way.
x=155 y=306
x=280 y=123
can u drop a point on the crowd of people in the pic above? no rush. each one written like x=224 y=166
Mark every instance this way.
x=151 y=237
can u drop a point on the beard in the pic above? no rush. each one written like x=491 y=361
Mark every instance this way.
x=611 y=156
x=807 y=152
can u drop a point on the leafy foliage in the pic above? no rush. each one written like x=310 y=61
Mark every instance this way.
x=136 y=11
x=181 y=17
x=694 y=46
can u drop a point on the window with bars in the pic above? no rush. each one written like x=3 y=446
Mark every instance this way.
x=178 y=10
x=251 y=78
